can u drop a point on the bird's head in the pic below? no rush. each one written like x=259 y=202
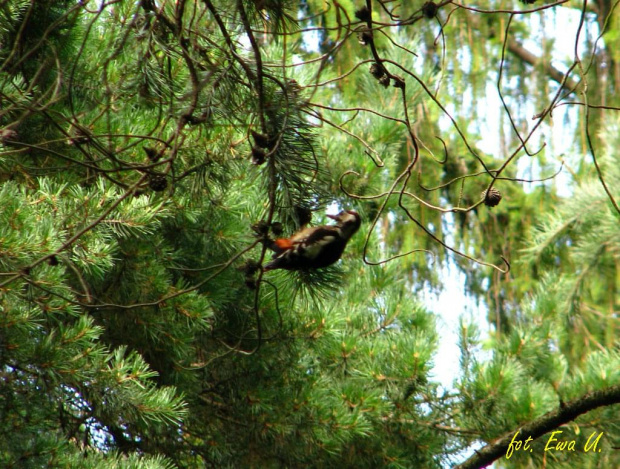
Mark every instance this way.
x=349 y=222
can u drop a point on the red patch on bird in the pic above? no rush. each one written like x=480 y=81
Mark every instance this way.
x=284 y=243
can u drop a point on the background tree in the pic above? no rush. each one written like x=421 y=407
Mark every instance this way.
x=149 y=147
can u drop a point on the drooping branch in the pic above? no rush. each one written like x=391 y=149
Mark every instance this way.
x=544 y=424
x=526 y=56
x=516 y=48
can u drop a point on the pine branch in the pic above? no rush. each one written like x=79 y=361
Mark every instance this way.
x=544 y=424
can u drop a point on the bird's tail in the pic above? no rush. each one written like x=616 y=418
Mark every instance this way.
x=273 y=264
x=278 y=246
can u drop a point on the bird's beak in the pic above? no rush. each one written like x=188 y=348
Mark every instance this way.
x=333 y=217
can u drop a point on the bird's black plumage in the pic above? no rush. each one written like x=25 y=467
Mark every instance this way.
x=317 y=247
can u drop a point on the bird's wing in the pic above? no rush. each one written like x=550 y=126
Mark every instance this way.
x=310 y=236
x=302 y=235
x=311 y=251
x=308 y=240
x=314 y=243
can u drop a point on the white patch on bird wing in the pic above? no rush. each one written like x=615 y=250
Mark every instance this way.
x=313 y=250
x=301 y=235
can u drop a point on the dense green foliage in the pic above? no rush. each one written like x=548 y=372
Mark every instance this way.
x=143 y=144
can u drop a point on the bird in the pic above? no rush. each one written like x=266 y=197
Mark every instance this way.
x=316 y=247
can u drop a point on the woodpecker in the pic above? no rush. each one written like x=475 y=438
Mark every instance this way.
x=313 y=248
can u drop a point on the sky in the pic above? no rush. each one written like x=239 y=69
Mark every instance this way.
x=453 y=304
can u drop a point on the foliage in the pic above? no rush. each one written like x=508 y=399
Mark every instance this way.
x=144 y=144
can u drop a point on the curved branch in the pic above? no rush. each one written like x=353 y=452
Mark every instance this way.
x=544 y=424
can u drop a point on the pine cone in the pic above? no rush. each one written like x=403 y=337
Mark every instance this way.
x=429 y=9
x=303 y=214
x=262 y=140
x=492 y=197
x=377 y=70
x=250 y=267
x=158 y=183
x=364 y=37
x=258 y=156
x=152 y=154
x=363 y=14
x=399 y=82
x=261 y=228
x=277 y=228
